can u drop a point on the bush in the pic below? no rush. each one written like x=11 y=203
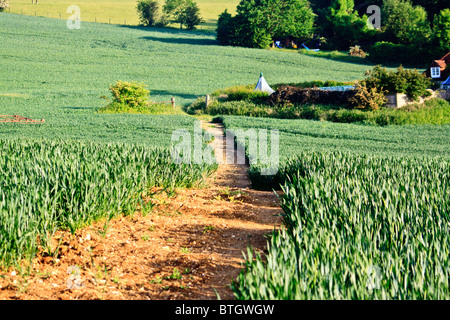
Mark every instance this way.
x=442 y=29
x=241 y=92
x=148 y=12
x=197 y=107
x=184 y=12
x=347 y=116
x=294 y=95
x=367 y=98
x=409 y=82
x=190 y=16
x=356 y=51
x=410 y=55
x=132 y=94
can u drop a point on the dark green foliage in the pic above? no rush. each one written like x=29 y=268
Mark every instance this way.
x=405 y=23
x=411 y=82
x=409 y=31
x=442 y=29
x=190 y=16
x=343 y=26
x=391 y=53
x=294 y=95
x=433 y=7
x=258 y=22
x=225 y=28
x=184 y=12
x=148 y=12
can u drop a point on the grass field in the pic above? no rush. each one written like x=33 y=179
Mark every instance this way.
x=304 y=135
x=357 y=227
x=51 y=72
x=358 y=196
x=47 y=185
x=357 y=200
x=114 y=11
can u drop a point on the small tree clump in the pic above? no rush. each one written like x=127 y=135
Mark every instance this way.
x=258 y=23
x=184 y=12
x=148 y=12
x=410 y=82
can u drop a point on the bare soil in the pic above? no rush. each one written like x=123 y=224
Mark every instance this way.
x=189 y=247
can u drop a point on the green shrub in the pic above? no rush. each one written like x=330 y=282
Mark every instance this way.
x=184 y=12
x=132 y=94
x=148 y=12
x=248 y=96
x=411 y=82
x=197 y=107
x=367 y=98
x=390 y=53
x=347 y=116
x=314 y=83
x=231 y=90
x=241 y=92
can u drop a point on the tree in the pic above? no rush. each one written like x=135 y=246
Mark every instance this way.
x=147 y=11
x=225 y=25
x=258 y=22
x=432 y=7
x=184 y=12
x=343 y=6
x=190 y=16
x=343 y=26
x=441 y=29
x=405 y=23
x=293 y=18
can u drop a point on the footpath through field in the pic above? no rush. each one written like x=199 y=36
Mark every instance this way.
x=190 y=245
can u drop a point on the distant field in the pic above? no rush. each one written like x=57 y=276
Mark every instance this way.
x=120 y=12
x=51 y=72
x=298 y=136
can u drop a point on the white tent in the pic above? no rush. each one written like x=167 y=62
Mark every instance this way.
x=263 y=86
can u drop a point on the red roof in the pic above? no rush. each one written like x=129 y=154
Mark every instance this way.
x=442 y=63
x=446 y=58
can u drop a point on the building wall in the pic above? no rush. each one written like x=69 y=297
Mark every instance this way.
x=399 y=100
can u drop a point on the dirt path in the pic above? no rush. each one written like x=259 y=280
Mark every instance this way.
x=189 y=247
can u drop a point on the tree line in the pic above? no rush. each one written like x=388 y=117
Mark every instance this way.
x=408 y=28
x=184 y=12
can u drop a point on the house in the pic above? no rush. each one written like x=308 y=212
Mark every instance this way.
x=439 y=70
